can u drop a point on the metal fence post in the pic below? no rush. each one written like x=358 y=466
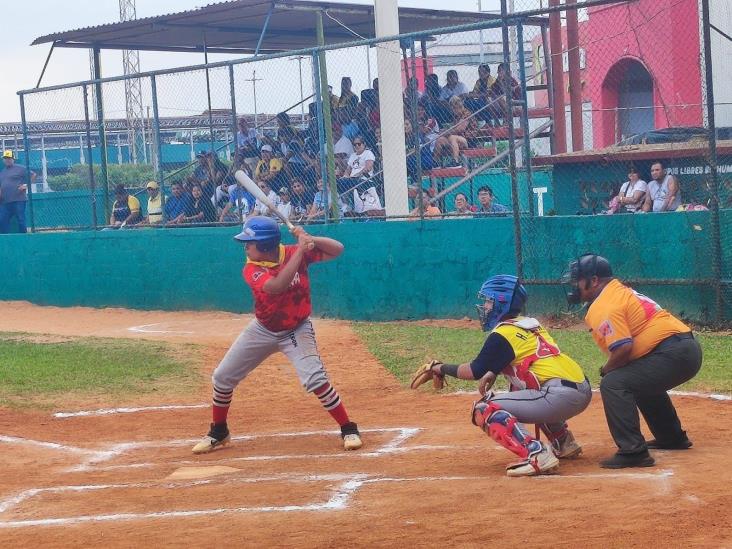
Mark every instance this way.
x=26 y=147
x=102 y=131
x=158 y=141
x=234 y=125
x=508 y=90
x=321 y=128
x=525 y=117
x=416 y=140
x=714 y=183
x=92 y=182
x=325 y=114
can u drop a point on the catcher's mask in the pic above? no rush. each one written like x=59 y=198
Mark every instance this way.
x=264 y=231
x=581 y=271
x=499 y=296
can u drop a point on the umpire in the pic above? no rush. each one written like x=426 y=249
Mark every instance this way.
x=649 y=352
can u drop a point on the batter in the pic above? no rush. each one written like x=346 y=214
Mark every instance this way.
x=278 y=277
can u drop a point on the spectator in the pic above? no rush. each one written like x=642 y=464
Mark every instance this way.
x=259 y=207
x=348 y=100
x=215 y=173
x=361 y=162
x=663 y=191
x=284 y=205
x=342 y=148
x=366 y=199
x=247 y=142
x=301 y=200
x=200 y=209
x=433 y=104
x=349 y=126
x=125 y=210
x=13 y=193
x=268 y=168
x=480 y=97
x=498 y=92
x=239 y=205
x=632 y=193
x=428 y=127
x=200 y=172
x=320 y=208
x=411 y=93
x=487 y=204
x=430 y=210
x=417 y=145
x=462 y=207
x=460 y=136
x=154 y=204
x=453 y=87
x=176 y=205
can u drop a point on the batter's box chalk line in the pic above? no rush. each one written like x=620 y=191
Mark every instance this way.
x=339 y=499
x=695 y=394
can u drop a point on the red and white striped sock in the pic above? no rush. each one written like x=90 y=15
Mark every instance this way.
x=221 y=402
x=331 y=401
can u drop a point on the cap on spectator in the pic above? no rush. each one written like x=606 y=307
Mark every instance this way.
x=266 y=148
x=152 y=185
x=8 y=154
x=283 y=190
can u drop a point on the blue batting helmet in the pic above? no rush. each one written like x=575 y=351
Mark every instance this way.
x=507 y=295
x=259 y=228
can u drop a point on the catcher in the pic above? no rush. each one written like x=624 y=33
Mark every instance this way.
x=547 y=386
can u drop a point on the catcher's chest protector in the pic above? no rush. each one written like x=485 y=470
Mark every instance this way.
x=520 y=375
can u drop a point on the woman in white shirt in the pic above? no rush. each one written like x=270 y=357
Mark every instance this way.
x=361 y=162
x=632 y=192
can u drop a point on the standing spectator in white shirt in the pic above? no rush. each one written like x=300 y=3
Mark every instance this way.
x=633 y=192
x=453 y=87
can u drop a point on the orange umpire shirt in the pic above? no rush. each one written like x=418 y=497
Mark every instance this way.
x=621 y=315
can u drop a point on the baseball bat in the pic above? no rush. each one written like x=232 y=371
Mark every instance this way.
x=258 y=193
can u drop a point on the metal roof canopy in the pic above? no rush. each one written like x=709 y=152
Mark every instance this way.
x=238 y=26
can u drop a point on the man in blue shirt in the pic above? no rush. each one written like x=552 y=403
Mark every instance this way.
x=13 y=193
x=175 y=205
x=487 y=204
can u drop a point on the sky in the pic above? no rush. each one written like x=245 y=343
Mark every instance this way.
x=23 y=63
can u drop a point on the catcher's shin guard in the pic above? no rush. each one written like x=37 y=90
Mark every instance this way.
x=504 y=428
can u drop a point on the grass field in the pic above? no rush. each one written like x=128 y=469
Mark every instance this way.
x=40 y=370
x=402 y=347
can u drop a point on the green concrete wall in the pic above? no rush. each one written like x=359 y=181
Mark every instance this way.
x=390 y=270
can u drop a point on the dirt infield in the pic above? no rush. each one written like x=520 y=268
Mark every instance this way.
x=425 y=476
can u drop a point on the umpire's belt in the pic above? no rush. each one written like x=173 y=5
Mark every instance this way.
x=673 y=339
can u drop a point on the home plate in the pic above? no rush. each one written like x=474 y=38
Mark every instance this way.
x=187 y=473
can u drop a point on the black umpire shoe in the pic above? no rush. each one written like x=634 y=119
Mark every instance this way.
x=621 y=461
x=683 y=444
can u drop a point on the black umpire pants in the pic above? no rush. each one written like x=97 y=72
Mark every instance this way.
x=642 y=385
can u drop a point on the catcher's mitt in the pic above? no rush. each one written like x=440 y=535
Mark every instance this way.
x=424 y=373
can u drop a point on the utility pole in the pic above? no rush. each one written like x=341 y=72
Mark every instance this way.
x=254 y=81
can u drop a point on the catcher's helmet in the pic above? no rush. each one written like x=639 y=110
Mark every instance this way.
x=263 y=230
x=507 y=295
x=584 y=267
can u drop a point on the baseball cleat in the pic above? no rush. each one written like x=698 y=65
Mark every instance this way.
x=351 y=437
x=218 y=436
x=568 y=448
x=541 y=463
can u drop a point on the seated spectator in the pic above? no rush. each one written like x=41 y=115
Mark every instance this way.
x=301 y=200
x=268 y=168
x=342 y=148
x=663 y=191
x=200 y=172
x=460 y=136
x=428 y=127
x=125 y=210
x=487 y=204
x=361 y=162
x=498 y=92
x=366 y=200
x=200 y=209
x=284 y=205
x=176 y=205
x=411 y=93
x=348 y=100
x=433 y=104
x=154 y=204
x=221 y=195
x=453 y=87
x=215 y=171
x=239 y=204
x=320 y=208
x=632 y=193
x=259 y=207
x=247 y=143
x=416 y=145
x=480 y=97
x=430 y=210
x=462 y=207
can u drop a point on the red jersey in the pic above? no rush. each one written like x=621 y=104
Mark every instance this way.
x=285 y=311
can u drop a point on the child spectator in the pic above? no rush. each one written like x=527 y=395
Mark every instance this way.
x=487 y=204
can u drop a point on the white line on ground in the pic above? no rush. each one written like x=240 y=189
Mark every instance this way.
x=712 y=396
x=111 y=411
x=147 y=329
x=662 y=475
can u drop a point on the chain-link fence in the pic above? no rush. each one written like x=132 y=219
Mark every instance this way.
x=547 y=112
